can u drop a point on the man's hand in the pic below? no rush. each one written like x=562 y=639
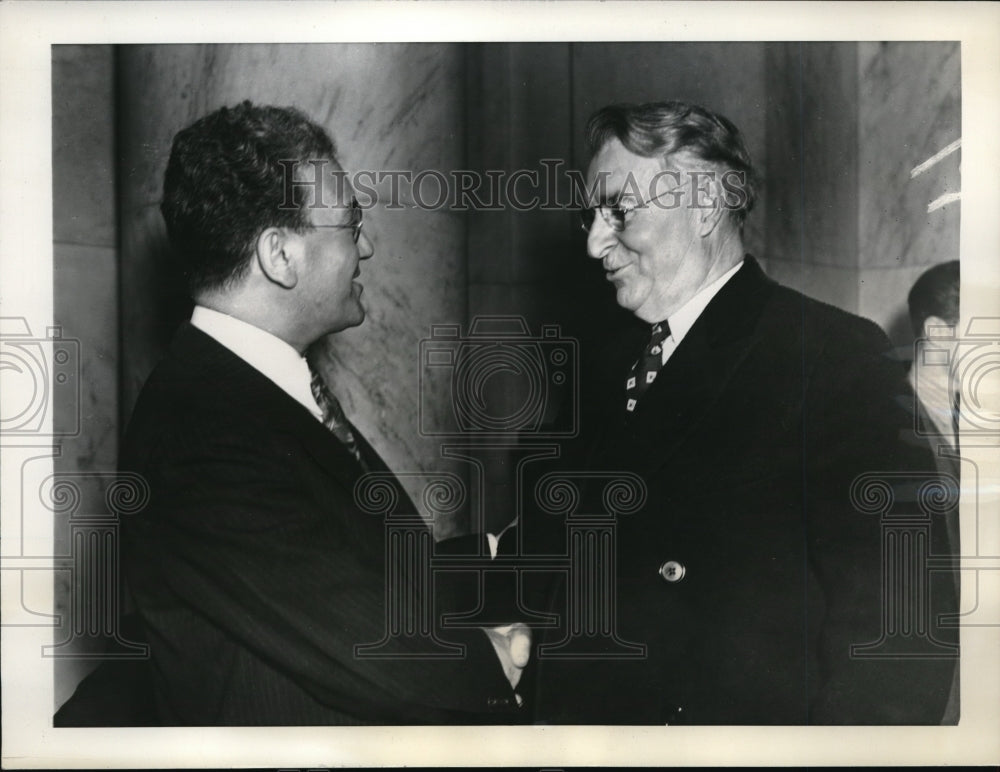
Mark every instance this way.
x=512 y=644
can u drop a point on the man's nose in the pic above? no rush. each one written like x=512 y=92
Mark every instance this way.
x=365 y=248
x=600 y=238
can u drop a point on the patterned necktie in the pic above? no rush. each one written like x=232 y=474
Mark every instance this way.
x=955 y=417
x=333 y=415
x=644 y=371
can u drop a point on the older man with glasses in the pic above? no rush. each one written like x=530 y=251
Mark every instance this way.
x=755 y=585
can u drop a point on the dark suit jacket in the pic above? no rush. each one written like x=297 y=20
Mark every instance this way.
x=253 y=570
x=748 y=442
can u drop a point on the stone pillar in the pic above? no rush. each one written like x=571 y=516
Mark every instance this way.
x=85 y=294
x=909 y=111
x=519 y=109
x=812 y=182
x=388 y=107
x=522 y=258
x=848 y=220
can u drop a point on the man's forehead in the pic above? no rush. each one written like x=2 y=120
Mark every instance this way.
x=616 y=173
x=614 y=166
x=324 y=181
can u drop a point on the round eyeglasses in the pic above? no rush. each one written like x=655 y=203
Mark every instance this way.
x=614 y=214
x=356 y=221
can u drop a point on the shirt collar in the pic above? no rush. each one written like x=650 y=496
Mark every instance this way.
x=265 y=352
x=684 y=318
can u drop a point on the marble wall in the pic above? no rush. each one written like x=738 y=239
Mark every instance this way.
x=847 y=220
x=388 y=107
x=812 y=184
x=85 y=260
x=909 y=110
x=519 y=114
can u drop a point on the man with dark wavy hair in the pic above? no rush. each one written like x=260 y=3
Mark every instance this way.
x=750 y=583
x=253 y=569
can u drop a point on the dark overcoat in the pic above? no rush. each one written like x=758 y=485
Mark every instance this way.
x=748 y=443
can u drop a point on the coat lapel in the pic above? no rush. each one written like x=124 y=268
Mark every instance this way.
x=697 y=374
x=221 y=378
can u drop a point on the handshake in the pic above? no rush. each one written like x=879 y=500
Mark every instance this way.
x=512 y=642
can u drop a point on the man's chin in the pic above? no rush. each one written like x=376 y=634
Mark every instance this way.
x=626 y=299
x=358 y=319
x=345 y=324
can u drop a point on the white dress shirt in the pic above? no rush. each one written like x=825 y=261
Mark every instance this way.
x=683 y=318
x=263 y=351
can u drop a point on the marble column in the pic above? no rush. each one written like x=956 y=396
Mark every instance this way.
x=812 y=185
x=85 y=293
x=518 y=113
x=848 y=221
x=909 y=111
x=388 y=107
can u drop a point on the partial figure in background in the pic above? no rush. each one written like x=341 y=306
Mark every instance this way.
x=753 y=581
x=934 y=316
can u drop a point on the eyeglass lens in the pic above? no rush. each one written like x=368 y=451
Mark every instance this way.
x=356 y=219
x=613 y=216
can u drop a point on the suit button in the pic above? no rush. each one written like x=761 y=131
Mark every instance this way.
x=672 y=571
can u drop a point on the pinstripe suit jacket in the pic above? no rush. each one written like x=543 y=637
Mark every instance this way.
x=254 y=572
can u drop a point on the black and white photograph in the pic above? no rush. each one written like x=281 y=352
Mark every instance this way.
x=383 y=386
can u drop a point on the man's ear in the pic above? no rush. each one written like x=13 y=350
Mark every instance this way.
x=273 y=255
x=714 y=210
x=936 y=327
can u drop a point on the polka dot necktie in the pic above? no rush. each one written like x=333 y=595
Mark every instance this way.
x=645 y=370
x=334 y=418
